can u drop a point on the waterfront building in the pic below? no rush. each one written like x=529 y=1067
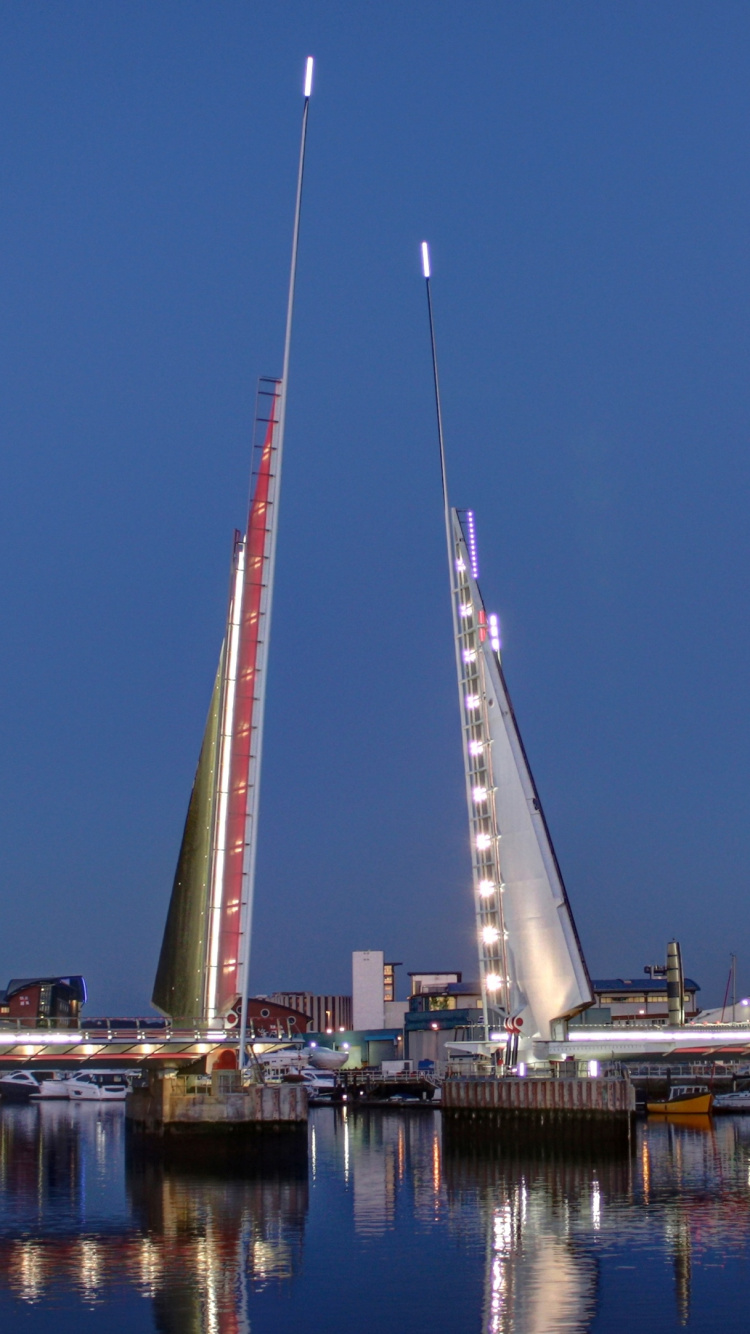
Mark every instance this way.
x=431 y=982
x=269 y=1018
x=326 y=1014
x=47 y=998
x=374 y=1003
x=440 y=1013
x=638 y=1000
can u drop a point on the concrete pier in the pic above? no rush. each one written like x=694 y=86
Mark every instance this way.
x=531 y=1109
x=254 y=1118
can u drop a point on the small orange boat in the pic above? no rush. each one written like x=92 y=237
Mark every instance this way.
x=684 y=1100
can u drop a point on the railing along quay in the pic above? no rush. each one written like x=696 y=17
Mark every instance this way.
x=375 y=1086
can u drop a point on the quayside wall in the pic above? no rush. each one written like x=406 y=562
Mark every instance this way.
x=529 y=1109
x=254 y=1117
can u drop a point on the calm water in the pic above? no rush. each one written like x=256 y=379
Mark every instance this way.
x=387 y=1230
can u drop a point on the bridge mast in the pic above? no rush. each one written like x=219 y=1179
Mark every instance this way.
x=276 y=429
x=205 y=954
x=485 y=835
x=531 y=965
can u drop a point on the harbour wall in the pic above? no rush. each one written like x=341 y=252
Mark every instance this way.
x=253 y=1118
x=528 y=1110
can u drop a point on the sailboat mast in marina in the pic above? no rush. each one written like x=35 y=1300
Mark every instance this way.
x=205 y=955
x=531 y=965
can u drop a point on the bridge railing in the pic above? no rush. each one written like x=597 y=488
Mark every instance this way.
x=28 y=1025
x=143 y=1028
x=146 y=1027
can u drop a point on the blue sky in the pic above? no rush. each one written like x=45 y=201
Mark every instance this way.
x=581 y=171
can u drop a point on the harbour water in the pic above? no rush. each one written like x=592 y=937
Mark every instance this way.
x=389 y=1228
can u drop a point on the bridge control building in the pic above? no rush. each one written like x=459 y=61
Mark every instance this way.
x=631 y=1001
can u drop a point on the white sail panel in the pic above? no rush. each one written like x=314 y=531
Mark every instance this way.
x=545 y=959
x=546 y=973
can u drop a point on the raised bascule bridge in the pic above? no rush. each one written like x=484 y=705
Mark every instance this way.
x=533 y=975
x=203 y=967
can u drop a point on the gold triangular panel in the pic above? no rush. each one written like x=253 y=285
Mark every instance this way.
x=180 y=976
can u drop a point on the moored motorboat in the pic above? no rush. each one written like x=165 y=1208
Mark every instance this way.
x=321 y=1085
x=325 y=1058
x=684 y=1100
x=98 y=1086
x=53 y=1084
x=733 y=1102
x=18 y=1086
x=25 y=1085
x=283 y=1062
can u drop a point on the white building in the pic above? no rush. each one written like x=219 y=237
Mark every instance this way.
x=368 y=998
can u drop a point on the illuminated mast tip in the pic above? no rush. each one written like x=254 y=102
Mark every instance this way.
x=308 y=76
x=425 y=259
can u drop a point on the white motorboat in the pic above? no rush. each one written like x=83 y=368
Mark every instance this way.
x=325 y=1058
x=732 y=1102
x=98 y=1086
x=53 y=1084
x=320 y=1084
x=18 y=1086
x=33 y=1085
x=282 y=1062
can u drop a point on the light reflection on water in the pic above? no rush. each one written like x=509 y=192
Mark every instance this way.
x=385 y=1217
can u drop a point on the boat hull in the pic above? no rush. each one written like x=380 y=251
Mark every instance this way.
x=737 y=1104
x=95 y=1094
x=698 y=1104
x=17 y=1093
x=51 y=1090
x=324 y=1058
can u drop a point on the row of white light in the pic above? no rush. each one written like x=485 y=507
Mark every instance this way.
x=684 y=1037
x=472 y=543
x=227 y=726
x=27 y=1039
x=77 y=1038
x=491 y=933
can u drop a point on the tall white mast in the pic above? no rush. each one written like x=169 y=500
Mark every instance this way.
x=531 y=964
x=476 y=743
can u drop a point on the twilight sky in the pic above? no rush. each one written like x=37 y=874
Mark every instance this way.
x=582 y=172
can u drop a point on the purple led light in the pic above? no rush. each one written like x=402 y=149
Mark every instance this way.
x=472 y=536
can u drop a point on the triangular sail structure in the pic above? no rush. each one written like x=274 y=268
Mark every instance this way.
x=198 y=976
x=531 y=964
x=179 y=985
x=204 y=962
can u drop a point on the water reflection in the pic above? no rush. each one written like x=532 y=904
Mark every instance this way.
x=214 y=1239
x=553 y=1220
x=197 y=1243
x=541 y=1213
x=384 y=1156
x=533 y=1240
x=40 y=1163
